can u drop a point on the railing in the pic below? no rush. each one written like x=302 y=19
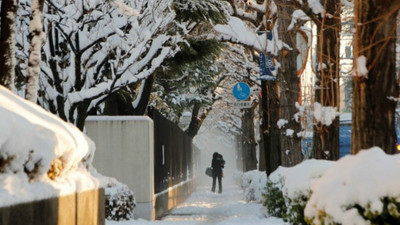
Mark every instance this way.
x=173 y=153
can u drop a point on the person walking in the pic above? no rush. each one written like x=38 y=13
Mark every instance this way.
x=217 y=164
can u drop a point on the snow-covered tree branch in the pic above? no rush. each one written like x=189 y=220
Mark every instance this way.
x=94 y=48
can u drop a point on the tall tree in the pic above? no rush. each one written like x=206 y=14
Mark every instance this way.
x=181 y=83
x=326 y=136
x=248 y=139
x=269 y=105
x=37 y=38
x=291 y=151
x=95 y=48
x=375 y=85
x=326 y=15
x=247 y=20
x=7 y=42
x=269 y=128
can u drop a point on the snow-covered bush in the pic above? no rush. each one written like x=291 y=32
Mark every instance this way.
x=253 y=184
x=358 y=189
x=120 y=202
x=274 y=200
x=288 y=189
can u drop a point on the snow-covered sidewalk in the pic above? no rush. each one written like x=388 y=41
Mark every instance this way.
x=206 y=208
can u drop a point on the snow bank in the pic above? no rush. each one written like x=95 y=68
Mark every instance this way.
x=41 y=156
x=297 y=180
x=363 y=179
x=253 y=184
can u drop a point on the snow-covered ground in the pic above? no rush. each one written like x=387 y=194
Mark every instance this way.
x=204 y=207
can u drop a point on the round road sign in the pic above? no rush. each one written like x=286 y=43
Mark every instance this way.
x=241 y=91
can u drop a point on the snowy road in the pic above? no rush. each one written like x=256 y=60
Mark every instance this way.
x=206 y=208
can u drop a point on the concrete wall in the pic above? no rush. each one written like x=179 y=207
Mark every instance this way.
x=85 y=208
x=125 y=150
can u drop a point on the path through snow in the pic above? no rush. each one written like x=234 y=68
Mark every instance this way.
x=206 y=208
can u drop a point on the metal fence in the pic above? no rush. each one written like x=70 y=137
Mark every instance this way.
x=173 y=153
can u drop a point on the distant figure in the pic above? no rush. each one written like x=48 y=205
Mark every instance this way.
x=217 y=164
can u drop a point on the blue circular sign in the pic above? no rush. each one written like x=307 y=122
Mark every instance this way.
x=241 y=91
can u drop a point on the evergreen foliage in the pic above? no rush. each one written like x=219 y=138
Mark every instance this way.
x=274 y=200
x=278 y=203
x=201 y=11
x=188 y=78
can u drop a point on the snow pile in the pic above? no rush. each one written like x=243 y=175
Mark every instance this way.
x=297 y=180
x=316 y=7
x=281 y=123
x=367 y=182
x=288 y=189
x=362 y=70
x=253 y=184
x=297 y=15
x=325 y=115
x=41 y=156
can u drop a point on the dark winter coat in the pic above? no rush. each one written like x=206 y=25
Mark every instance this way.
x=217 y=164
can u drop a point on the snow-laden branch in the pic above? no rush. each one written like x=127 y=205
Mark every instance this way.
x=237 y=31
x=137 y=72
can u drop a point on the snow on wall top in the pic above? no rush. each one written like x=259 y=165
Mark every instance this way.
x=32 y=141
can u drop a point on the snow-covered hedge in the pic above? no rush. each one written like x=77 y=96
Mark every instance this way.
x=288 y=189
x=253 y=184
x=358 y=189
x=41 y=156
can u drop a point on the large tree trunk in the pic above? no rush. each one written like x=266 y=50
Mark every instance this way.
x=270 y=136
x=248 y=140
x=123 y=102
x=375 y=83
x=291 y=153
x=144 y=97
x=269 y=130
x=7 y=43
x=326 y=137
x=36 y=42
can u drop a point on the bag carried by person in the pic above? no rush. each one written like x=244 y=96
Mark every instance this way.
x=209 y=171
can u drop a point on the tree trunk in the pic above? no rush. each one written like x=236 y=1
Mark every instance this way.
x=375 y=82
x=7 y=43
x=144 y=98
x=36 y=42
x=248 y=141
x=326 y=138
x=82 y=113
x=291 y=151
x=194 y=124
x=269 y=130
x=261 y=155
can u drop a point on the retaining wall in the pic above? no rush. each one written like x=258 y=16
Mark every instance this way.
x=125 y=150
x=85 y=208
